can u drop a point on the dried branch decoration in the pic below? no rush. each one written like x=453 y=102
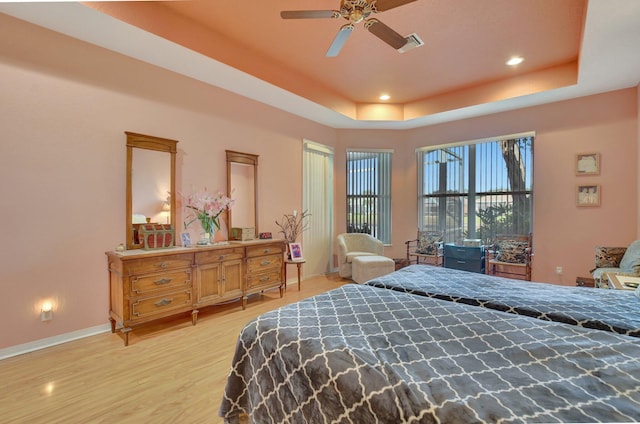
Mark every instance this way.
x=293 y=225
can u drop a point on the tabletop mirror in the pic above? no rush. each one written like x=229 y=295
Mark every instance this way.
x=151 y=183
x=242 y=186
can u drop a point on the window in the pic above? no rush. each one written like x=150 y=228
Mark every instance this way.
x=369 y=193
x=477 y=189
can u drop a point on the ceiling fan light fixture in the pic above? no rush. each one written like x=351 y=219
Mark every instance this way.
x=356 y=16
x=515 y=60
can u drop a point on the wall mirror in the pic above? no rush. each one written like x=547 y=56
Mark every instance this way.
x=151 y=183
x=242 y=186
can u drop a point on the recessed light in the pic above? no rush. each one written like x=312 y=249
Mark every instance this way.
x=515 y=60
x=384 y=97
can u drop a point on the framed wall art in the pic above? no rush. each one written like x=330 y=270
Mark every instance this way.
x=588 y=195
x=588 y=164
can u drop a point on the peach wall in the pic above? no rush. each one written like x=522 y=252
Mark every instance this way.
x=65 y=108
x=564 y=235
x=62 y=166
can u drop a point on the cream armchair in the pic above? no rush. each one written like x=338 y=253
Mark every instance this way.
x=351 y=245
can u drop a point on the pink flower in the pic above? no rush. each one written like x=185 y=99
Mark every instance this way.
x=206 y=208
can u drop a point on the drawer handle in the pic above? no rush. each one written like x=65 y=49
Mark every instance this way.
x=461 y=262
x=267 y=250
x=164 y=302
x=163 y=264
x=264 y=279
x=265 y=263
x=221 y=257
x=163 y=281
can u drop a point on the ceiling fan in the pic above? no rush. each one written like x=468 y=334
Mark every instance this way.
x=355 y=11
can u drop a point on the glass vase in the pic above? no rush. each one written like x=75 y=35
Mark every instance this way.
x=205 y=240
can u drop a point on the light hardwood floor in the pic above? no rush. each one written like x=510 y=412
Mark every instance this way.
x=170 y=373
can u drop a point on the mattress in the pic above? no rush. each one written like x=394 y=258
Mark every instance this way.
x=611 y=310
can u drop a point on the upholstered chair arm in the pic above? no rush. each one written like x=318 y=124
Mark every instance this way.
x=378 y=247
x=342 y=250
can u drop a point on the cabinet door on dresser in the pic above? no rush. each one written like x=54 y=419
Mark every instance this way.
x=218 y=275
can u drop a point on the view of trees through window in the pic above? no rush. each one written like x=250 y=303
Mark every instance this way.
x=477 y=190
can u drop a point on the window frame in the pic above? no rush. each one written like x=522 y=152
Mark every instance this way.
x=521 y=220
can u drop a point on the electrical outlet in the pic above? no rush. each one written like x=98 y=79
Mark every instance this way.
x=46 y=315
x=559 y=270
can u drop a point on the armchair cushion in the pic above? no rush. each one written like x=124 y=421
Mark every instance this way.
x=630 y=262
x=428 y=243
x=512 y=251
x=609 y=257
x=355 y=254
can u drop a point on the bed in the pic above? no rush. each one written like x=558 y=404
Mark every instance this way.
x=363 y=354
x=611 y=310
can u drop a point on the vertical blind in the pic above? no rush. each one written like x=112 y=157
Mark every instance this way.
x=317 y=199
x=369 y=193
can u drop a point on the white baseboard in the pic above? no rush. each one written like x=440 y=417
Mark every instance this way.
x=53 y=341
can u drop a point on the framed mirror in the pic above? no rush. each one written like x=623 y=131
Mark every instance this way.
x=151 y=184
x=242 y=186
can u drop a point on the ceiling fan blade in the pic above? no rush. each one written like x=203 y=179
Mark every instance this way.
x=339 y=41
x=382 y=5
x=385 y=33
x=309 y=14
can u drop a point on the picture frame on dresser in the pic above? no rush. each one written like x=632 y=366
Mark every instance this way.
x=588 y=195
x=186 y=239
x=588 y=164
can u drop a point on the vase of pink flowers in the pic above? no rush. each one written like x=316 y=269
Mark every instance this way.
x=206 y=208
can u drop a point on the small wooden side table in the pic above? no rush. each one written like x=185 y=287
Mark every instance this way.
x=299 y=265
x=585 y=282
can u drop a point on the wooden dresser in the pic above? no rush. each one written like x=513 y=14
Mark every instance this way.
x=149 y=285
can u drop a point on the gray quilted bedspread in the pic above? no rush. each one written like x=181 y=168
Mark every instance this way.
x=611 y=310
x=360 y=354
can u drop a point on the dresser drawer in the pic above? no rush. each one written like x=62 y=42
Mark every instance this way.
x=169 y=280
x=471 y=265
x=462 y=252
x=158 y=264
x=219 y=255
x=266 y=278
x=265 y=249
x=264 y=263
x=162 y=304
